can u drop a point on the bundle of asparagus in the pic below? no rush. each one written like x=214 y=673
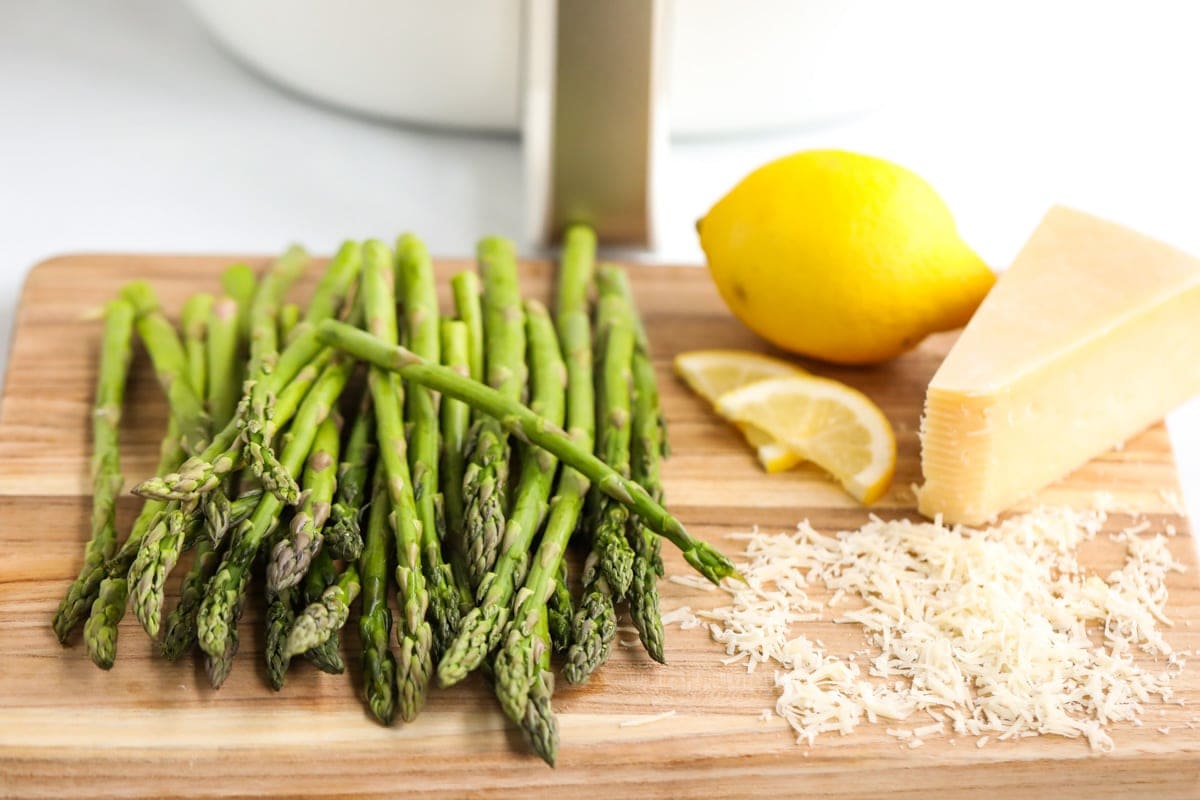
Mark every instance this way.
x=275 y=455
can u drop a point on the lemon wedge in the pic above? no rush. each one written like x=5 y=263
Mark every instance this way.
x=824 y=421
x=712 y=373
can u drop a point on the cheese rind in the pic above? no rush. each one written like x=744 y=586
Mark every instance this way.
x=1089 y=337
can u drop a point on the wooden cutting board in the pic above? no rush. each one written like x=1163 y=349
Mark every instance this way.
x=154 y=729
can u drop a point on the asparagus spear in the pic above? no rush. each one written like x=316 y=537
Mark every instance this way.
x=224 y=382
x=257 y=423
x=224 y=366
x=465 y=287
x=529 y=427
x=162 y=546
x=194 y=323
x=324 y=652
x=323 y=618
x=648 y=448
x=115 y=352
x=415 y=273
x=205 y=470
x=216 y=622
x=483 y=626
x=485 y=479
x=100 y=630
x=614 y=381
x=264 y=308
x=342 y=532
x=170 y=365
x=413 y=633
x=289 y=318
x=375 y=622
x=295 y=549
x=293 y=376
x=608 y=568
x=455 y=422
x=560 y=611
x=280 y=615
x=179 y=632
x=239 y=283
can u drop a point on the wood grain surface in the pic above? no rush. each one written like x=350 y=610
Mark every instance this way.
x=150 y=728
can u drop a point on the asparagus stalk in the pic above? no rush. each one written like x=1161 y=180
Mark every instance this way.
x=115 y=352
x=648 y=448
x=414 y=634
x=614 y=386
x=456 y=423
x=609 y=566
x=485 y=480
x=342 y=532
x=523 y=423
x=257 y=424
x=298 y=367
x=415 y=273
x=280 y=615
x=100 y=630
x=194 y=323
x=216 y=622
x=323 y=618
x=289 y=318
x=295 y=549
x=224 y=381
x=560 y=611
x=162 y=546
x=375 y=622
x=465 y=287
x=170 y=365
x=179 y=632
x=483 y=626
x=264 y=308
x=324 y=653
x=224 y=366
x=239 y=283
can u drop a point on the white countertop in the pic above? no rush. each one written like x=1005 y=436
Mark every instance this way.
x=125 y=129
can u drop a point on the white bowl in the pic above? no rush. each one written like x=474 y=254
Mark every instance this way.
x=734 y=65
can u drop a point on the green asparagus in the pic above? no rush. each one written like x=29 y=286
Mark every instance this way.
x=343 y=535
x=415 y=637
x=417 y=286
x=614 y=385
x=375 y=620
x=455 y=425
x=325 y=617
x=468 y=306
x=647 y=449
x=116 y=349
x=170 y=365
x=484 y=625
x=216 y=623
x=485 y=479
x=295 y=549
x=325 y=652
x=529 y=427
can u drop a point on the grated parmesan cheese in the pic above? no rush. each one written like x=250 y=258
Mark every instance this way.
x=995 y=633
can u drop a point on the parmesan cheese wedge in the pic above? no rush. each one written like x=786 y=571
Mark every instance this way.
x=1090 y=336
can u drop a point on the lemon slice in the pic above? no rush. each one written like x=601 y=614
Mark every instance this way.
x=824 y=421
x=712 y=373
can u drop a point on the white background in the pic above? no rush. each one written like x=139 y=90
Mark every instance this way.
x=123 y=127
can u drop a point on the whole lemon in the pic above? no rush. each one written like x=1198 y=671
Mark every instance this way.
x=841 y=256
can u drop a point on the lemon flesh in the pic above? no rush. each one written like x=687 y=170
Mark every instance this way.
x=843 y=257
x=712 y=373
x=824 y=421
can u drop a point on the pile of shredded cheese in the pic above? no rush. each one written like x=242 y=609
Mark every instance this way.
x=995 y=633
